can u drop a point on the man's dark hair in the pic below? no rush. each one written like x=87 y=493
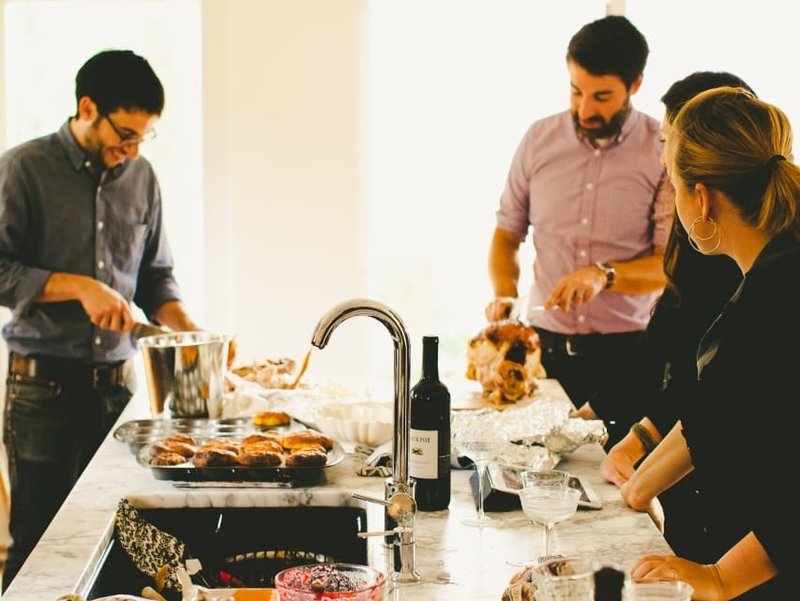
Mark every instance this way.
x=680 y=92
x=610 y=46
x=120 y=79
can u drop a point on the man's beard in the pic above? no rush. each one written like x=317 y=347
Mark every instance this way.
x=607 y=129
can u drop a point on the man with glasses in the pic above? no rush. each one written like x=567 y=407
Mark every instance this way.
x=81 y=238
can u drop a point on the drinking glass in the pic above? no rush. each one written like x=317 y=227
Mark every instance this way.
x=565 y=579
x=666 y=590
x=481 y=443
x=548 y=499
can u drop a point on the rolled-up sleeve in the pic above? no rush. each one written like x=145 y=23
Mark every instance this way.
x=156 y=283
x=663 y=212
x=20 y=284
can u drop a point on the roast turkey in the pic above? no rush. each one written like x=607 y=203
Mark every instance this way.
x=506 y=358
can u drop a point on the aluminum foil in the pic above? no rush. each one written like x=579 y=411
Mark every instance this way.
x=538 y=434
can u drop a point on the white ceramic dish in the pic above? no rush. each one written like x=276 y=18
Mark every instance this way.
x=365 y=422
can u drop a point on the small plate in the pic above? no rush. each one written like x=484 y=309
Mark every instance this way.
x=506 y=479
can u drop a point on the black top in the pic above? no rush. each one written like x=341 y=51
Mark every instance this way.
x=658 y=375
x=741 y=440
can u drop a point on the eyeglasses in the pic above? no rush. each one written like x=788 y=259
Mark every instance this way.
x=128 y=139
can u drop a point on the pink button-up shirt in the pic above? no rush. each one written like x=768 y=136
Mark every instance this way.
x=588 y=204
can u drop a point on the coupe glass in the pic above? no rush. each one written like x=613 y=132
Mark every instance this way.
x=480 y=442
x=672 y=590
x=547 y=499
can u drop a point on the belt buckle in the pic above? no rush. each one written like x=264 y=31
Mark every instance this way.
x=571 y=352
x=95 y=377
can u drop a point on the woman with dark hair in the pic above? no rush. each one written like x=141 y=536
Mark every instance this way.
x=737 y=194
x=656 y=380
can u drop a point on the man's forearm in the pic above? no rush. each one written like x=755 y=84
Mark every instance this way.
x=639 y=276
x=61 y=287
x=504 y=264
x=174 y=315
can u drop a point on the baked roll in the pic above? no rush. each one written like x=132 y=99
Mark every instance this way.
x=302 y=439
x=271 y=419
x=215 y=457
x=307 y=458
x=167 y=458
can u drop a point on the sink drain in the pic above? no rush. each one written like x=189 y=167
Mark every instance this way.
x=258 y=568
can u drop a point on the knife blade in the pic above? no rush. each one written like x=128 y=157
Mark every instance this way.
x=141 y=329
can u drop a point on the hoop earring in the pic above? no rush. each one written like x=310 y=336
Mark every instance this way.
x=693 y=237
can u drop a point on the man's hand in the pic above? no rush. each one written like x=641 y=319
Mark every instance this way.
x=106 y=307
x=577 y=288
x=500 y=308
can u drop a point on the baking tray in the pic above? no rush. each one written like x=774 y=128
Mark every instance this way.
x=141 y=434
x=187 y=472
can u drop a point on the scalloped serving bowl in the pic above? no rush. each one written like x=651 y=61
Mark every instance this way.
x=365 y=422
x=297 y=583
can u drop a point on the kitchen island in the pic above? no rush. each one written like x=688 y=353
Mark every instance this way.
x=456 y=562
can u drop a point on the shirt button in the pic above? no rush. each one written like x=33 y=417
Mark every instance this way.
x=87 y=164
x=582 y=253
x=97 y=341
x=589 y=186
x=581 y=318
x=101 y=264
x=597 y=153
x=585 y=220
x=99 y=225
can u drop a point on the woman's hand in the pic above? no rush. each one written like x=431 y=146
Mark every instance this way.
x=704 y=578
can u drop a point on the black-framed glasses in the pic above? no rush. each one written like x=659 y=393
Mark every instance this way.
x=129 y=139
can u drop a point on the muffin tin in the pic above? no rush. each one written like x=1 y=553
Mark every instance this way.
x=141 y=434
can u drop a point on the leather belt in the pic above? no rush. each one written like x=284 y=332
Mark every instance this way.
x=573 y=345
x=100 y=375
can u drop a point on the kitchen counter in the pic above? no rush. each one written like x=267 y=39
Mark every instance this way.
x=456 y=562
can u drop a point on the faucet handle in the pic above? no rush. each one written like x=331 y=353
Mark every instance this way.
x=401 y=506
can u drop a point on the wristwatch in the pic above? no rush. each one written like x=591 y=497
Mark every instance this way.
x=609 y=271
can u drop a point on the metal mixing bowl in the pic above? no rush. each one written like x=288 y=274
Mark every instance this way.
x=185 y=372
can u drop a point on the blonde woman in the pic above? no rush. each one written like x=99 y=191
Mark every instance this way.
x=729 y=158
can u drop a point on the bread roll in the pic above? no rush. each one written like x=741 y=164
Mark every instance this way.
x=304 y=438
x=307 y=458
x=215 y=457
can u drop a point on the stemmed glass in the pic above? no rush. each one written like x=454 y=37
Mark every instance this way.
x=548 y=499
x=476 y=439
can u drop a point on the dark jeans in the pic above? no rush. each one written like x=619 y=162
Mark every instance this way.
x=52 y=429
x=583 y=363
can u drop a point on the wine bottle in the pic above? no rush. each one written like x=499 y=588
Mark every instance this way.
x=429 y=462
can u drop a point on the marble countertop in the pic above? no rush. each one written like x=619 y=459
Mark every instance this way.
x=456 y=562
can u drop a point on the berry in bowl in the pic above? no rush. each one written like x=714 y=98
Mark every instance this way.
x=329 y=581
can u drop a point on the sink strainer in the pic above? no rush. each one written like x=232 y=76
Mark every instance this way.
x=258 y=568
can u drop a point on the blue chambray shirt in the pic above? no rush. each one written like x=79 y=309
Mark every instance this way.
x=55 y=215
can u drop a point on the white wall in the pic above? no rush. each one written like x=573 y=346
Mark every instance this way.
x=281 y=175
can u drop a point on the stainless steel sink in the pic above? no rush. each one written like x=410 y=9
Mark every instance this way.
x=249 y=544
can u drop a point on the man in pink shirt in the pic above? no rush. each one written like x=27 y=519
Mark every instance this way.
x=587 y=181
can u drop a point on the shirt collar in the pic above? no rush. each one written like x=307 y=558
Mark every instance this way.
x=77 y=156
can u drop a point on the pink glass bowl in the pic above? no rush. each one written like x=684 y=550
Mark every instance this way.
x=321 y=582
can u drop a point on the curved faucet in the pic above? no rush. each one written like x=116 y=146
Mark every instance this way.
x=402 y=405
x=401 y=507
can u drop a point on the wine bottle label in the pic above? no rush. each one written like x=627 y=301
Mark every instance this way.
x=424 y=457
